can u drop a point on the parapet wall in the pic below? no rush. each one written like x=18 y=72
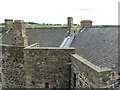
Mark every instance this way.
x=88 y=75
x=48 y=67
x=12 y=67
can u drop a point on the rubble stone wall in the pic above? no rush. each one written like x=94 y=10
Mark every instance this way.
x=12 y=67
x=86 y=75
x=48 y=66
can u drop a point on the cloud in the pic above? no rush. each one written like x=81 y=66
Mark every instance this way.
x=86 y=9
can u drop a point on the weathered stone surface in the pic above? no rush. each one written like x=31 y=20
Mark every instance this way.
x=69 y=22
x=8 y=24
x=19 y=34
x=89 y=75
x=86 y=23
x=12 y=67
x=47 y=65
x=70 y=26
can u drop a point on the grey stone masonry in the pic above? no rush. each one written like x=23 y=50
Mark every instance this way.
x=70 y=26
x=12 y=67
x=69 y=22
x=88 y=75
x=19 y=33
x=48 y=66
x=86 y=23
x=8 y=24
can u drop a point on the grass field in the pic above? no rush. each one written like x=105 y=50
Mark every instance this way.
x=1 y=27
x=42 y=26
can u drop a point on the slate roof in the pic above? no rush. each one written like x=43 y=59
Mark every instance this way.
x=46 y=37
x=98 y=45
x=7 y=37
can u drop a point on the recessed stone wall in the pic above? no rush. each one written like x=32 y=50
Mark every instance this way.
x=48 y=66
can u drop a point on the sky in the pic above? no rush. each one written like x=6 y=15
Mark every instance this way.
x=101 y=12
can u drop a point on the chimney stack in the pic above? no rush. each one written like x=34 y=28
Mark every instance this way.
x=86 y=23
x=8 y=24
x=19 y=33
x=70 y=25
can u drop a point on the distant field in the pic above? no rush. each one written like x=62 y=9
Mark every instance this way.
x=40 y=26
x=1 y=27
x=52 y=25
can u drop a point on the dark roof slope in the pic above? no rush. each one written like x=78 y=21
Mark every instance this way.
x=7 y=37
x=46 y=37
x=98 y=45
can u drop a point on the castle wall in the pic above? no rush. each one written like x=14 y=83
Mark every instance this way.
x=48 y=67
x=87 y=75
x=12 y=67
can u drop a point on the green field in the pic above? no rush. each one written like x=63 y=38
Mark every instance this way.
x=1 y=27
x=42 y=26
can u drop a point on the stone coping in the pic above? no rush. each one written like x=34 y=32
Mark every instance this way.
x=58 y=48
x=86 y=21
x=91 y=65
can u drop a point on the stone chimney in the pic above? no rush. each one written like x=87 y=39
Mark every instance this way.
x=19 y=33
x=70 y=25
x=86 y=23
x=8 y=24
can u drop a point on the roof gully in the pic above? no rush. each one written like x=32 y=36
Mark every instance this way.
x=67 y=42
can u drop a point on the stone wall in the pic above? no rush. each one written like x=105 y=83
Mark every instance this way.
x=48 y=67
x=19 y=33
x=12 y=67
x=88 y=75
x=70 y=26
x=8 y=24
x=86 y=23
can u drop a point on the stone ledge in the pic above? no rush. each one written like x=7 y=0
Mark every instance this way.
x=72 y=48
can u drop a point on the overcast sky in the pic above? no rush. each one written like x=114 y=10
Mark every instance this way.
x=101 y=12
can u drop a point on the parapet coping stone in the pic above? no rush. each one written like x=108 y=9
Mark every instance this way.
x=91 y=65
x=58 y=48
